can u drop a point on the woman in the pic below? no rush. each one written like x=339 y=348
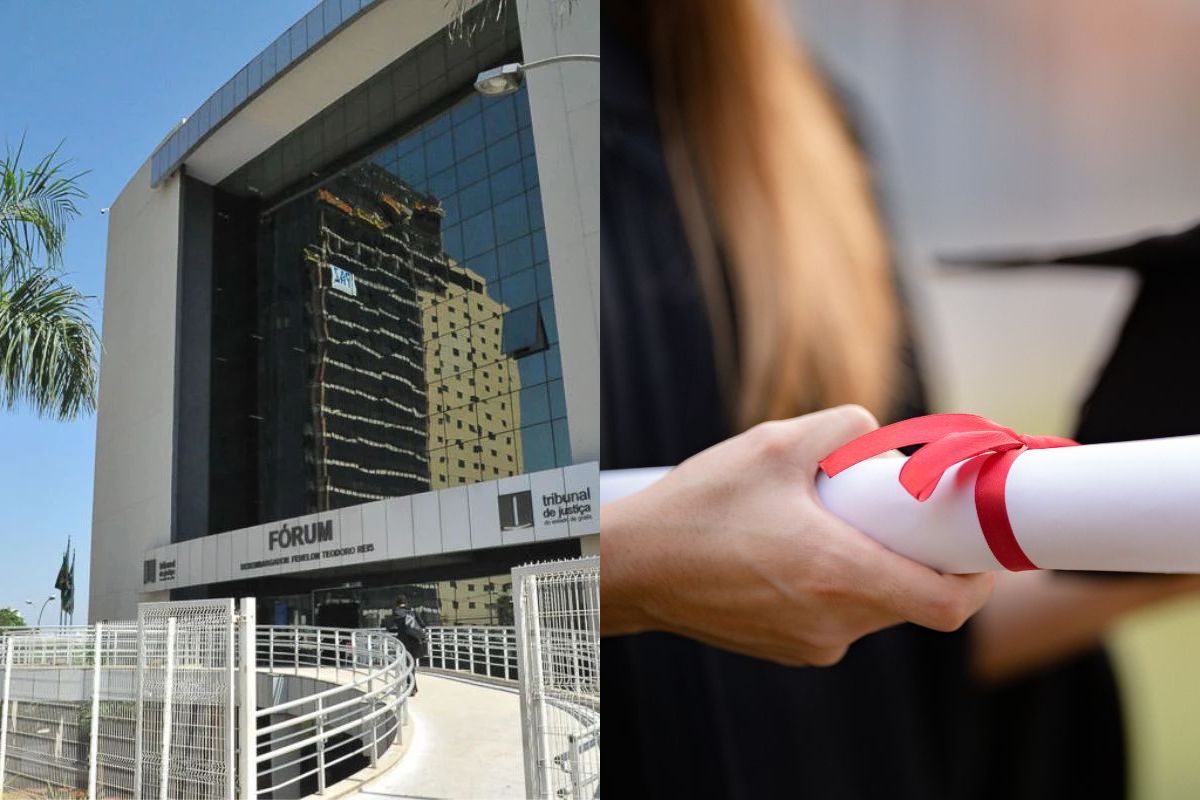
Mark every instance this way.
x=745 y=279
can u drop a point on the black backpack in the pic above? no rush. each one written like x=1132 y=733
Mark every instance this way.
x=410 y=631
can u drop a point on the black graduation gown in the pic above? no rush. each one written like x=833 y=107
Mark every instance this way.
x=899 y=717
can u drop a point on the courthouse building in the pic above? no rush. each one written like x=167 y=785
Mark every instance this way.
x=351 y=324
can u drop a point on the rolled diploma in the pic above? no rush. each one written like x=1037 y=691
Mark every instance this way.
x=1125 y=506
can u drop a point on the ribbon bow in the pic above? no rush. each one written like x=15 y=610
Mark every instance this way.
x=951 y=439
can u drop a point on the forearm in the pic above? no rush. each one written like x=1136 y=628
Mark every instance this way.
x=627 y=571
x=1036 y=619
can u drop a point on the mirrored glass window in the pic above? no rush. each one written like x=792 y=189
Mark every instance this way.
x=407 y=320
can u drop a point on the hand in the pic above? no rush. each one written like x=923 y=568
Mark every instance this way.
x=733 y=548
x=1037 y=619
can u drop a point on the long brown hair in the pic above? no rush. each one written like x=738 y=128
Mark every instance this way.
x=765 y=170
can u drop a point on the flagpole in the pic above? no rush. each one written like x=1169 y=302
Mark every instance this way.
x=70 y=608
x=61 y=581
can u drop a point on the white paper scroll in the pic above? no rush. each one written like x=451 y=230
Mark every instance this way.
x=1127 y=506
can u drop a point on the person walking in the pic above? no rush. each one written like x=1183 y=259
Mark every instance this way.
x=407 y=627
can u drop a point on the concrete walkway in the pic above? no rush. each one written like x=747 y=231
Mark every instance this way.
x=465 y=745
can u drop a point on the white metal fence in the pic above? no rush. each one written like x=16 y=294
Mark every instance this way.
x=51 y=719
x=306 y=736
x=557 y=614
x=186 y=700
x=153 y=709
x=98 y=711
x=484 y=650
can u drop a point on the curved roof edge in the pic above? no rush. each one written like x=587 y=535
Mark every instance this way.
x=288 y=50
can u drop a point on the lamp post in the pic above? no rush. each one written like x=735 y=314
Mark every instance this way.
x=506 y=78
x=43 y=611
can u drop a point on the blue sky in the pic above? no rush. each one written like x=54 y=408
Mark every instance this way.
x=108 y=79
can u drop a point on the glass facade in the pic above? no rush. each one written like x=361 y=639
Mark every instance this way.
x=405 y=322
x=473 y=600
x=367 y=312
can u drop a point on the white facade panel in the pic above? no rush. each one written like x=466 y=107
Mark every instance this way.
x=552 y=504
x=427 y=524
x=166 y=567
x=374 y=531
x=350 y=532
x=132 y=505
x=241 y=547
x=224 y=556
x=577 y=479
x=545 y=488
x=485 y=523
x=456 y=519
x=329 y=548
x=194 y=561
x=208 y=547
x=564 y=104
x=507 y=489
x=399 y=514
x=514 y=483
x=256 y=553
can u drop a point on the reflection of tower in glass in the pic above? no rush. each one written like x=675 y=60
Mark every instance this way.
x=367 y=375
x=410 y=386
x=485 y=600
x=474 y=416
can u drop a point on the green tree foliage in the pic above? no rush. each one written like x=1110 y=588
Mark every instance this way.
x=11 y=618
x=48 y=346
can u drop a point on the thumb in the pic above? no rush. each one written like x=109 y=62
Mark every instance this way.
x=823 y=432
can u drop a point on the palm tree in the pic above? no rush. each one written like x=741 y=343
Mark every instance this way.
x=48 y=346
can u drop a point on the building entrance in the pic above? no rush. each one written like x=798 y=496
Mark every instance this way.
x=350 y=605
x=337 y=607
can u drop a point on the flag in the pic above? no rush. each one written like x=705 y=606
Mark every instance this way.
x=60 y=582
x=68 y=602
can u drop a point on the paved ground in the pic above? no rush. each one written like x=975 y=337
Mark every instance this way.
x=466 y=745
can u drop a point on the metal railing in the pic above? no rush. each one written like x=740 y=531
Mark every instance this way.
x=151 y=710
x=52 y=735
x=185 y=708
x=121 y=710
x=557 y=611
x=360 y=716
x=484 y=650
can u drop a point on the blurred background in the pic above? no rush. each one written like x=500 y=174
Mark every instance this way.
x=1035 y=123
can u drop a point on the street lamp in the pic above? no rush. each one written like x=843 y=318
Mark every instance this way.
x=506 y=79
x=43 y=611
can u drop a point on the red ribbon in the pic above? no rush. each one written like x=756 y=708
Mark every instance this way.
x=951 y=439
